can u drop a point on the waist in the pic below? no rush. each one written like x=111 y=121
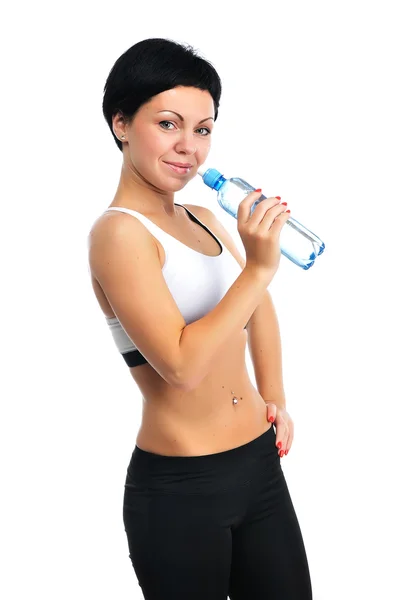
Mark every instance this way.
x=238 y=467
x=202 y=424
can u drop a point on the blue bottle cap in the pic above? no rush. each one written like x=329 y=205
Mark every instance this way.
x=210 y=176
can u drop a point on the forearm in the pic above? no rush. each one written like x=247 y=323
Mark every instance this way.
x=201 y=340
x=264 y=343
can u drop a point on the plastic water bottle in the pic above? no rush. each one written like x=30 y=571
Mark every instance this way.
x=297 y=243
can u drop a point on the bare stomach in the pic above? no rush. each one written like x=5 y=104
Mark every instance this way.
x=204 y=420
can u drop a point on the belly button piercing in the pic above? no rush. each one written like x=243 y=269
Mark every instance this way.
x=234 y=400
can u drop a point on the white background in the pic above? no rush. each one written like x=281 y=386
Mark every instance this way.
x=317 y=108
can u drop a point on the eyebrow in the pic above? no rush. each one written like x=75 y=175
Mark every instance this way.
x=181 y=117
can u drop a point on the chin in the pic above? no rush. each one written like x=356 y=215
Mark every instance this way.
x=180 y=185
x=177 y=184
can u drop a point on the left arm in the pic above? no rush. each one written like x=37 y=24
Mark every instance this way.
x=264 y=340
x=264 y=343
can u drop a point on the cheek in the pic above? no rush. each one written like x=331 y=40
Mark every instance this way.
x=203 y=149
x=149 y=149
x=154 y=143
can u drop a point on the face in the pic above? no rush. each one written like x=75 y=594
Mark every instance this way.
x=157 y=136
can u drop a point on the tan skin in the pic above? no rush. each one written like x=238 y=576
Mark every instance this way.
x=203 y=420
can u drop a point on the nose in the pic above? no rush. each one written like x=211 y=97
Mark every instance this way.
x=186 y=143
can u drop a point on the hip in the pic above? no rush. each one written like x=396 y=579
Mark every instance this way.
x=237 y=467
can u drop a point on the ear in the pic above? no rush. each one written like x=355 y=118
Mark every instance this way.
x=118 y=125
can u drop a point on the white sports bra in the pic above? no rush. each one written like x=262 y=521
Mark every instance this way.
x=196 y=281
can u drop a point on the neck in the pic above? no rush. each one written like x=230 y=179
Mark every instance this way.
x=143 y=197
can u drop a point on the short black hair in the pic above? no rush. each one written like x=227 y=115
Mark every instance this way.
x=151 y=67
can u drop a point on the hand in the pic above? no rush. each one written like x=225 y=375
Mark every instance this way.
x=284 y=427
x=260 y=231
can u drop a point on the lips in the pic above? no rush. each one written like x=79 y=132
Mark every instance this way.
x=182 y=165
x=178 y=169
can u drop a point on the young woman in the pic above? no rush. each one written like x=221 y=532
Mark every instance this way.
x=207 y=511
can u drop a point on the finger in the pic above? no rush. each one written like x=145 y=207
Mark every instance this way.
x=284 y=435
x=284 y=442
x=271 y=412
x=244 y=208
x=280 y=436
x=280 y=220
x=290 y=437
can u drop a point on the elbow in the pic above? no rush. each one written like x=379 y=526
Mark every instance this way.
x=185 y=381
x=188 y=374
x=181 y=382
x=177 y=379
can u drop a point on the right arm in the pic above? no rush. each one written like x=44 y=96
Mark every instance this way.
x=123 y=257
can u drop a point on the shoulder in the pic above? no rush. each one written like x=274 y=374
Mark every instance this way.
x=117 y=226
x=118 y=222
x=210 y=220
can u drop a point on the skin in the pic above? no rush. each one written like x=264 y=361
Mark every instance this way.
x=148 y=185
x=145 y=180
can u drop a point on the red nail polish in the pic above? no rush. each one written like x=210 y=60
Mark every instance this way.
x=271 y=419
x=279 y=444
x=281 y=453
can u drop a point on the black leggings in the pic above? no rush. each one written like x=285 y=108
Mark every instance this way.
x=208 y=527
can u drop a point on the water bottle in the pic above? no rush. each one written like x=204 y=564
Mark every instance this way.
x=297 y=243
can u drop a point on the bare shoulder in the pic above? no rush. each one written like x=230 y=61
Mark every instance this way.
x=118 y=223
x=209 y=218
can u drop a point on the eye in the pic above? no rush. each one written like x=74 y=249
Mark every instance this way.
x=169 y=129
x=207 y=130
x=162 y=122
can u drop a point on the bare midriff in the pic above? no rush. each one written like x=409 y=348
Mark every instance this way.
x=204 y=420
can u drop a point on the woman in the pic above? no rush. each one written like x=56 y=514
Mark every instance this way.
x=206 y=510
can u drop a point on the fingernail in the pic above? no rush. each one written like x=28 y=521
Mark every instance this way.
x=258 y=190
x=281 y=453
x=279 y=444
x=284 y=203
x=271 y=419
x=287 y=211
x=286 y=452
x=278 y=197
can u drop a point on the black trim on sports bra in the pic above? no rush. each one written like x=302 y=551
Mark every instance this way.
x=196 y=220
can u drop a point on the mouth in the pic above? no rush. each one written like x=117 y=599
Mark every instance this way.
x=179 y=169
